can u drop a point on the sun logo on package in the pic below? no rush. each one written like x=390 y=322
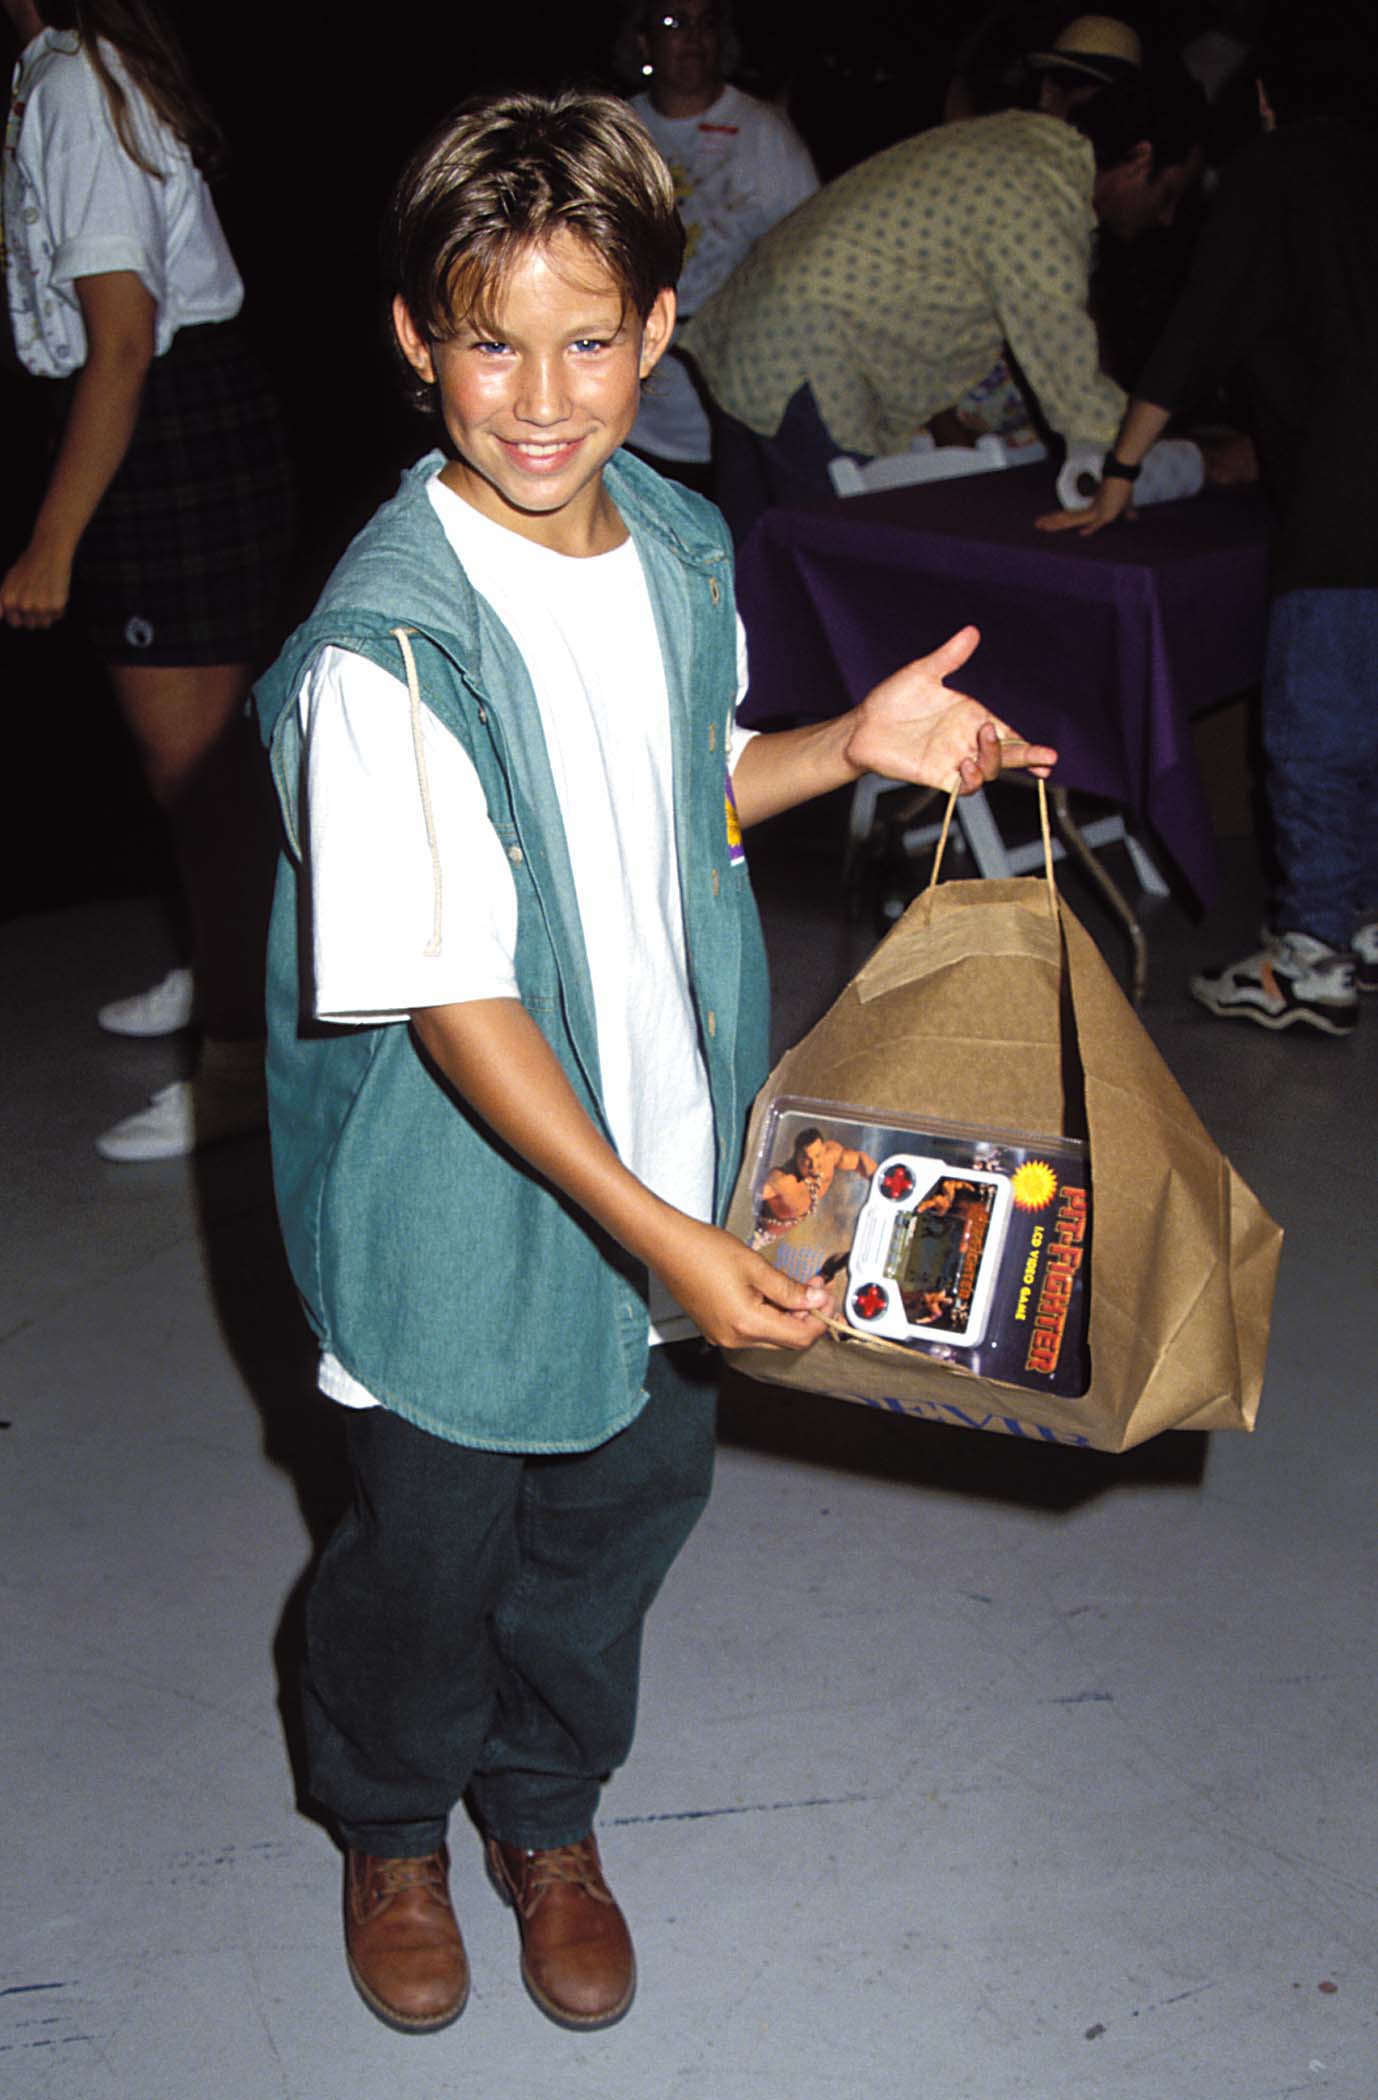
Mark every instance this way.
x=1034 y=1185
x=736 y=852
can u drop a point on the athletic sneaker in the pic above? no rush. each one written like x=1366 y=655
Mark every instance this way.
x=226 y=1099
x=1292 y=978
x=161 y=1010
x=1365 y=946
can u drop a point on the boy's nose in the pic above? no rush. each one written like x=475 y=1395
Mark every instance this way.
x=543 y=397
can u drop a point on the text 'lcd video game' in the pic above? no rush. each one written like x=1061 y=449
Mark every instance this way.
x=972 y=1247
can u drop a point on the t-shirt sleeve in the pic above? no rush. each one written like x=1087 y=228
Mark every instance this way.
x=738 y=737
x=1036 y=256
x=785 y=171
x=104 y=211
x=378 y=894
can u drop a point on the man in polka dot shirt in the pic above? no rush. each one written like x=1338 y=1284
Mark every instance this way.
x=884 y=298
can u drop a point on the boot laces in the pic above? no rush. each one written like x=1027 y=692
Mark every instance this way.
x=551 y=1866
x=393 y=1875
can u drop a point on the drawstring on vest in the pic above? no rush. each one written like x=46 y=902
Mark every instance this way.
x=423 y=780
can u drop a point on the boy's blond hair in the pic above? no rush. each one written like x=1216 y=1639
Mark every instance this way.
x=508 y=172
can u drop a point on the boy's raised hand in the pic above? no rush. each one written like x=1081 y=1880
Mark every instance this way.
x=912 y=726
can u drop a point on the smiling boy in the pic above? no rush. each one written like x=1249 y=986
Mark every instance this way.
x=517 y=1017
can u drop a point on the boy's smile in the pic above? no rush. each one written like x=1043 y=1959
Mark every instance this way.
x=536 y=408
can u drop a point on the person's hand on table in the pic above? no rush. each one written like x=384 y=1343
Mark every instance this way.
x=1144 y=423
x=1113 y=499
x=914 y=727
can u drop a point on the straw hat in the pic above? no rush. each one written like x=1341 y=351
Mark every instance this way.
x=1096 y=45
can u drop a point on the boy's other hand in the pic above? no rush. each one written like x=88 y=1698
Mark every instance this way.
x=914 y=727
x=495 y=1056
x=734 y=1295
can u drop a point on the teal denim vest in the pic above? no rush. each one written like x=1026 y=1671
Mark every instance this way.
x=463 y=1291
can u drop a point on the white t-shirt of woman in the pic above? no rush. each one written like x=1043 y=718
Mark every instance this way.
x=76 y=205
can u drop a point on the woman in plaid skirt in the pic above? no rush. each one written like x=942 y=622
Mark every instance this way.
x=167 y=519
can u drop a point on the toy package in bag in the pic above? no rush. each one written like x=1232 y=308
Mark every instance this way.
x=969 y=1247
x=990 y=1008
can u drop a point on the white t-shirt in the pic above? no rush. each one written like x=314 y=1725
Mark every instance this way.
x=738 y=167
x=76 y=205
x=587 y=634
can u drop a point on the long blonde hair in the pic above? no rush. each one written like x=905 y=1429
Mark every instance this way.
x=155 y=61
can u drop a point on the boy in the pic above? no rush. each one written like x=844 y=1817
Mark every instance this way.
x=512 y=1053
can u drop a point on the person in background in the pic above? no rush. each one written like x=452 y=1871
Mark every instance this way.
x=1283 y=294
x=1092 y=52
x=167 y=517
x=882 y=300
x=738 y=165
x=989 y=66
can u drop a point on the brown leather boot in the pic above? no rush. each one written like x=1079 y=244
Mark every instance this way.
x=402 y=1942
x=577 y=1959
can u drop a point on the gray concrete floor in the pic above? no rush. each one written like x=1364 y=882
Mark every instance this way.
x=967 y=1770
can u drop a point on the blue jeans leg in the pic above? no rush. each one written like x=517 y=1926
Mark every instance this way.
x=1320 y=734
x=790 y=469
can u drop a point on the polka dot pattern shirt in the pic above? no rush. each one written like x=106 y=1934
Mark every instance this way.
x=896 y=288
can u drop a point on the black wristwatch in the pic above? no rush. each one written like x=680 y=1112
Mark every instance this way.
x=1113 y=469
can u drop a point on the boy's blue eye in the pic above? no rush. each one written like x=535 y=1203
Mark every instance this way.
x=591 y=342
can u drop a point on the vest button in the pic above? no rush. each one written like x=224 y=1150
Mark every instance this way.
x=712 y=736
x=515 y=855
x=714 y=589
x=712 y=1022
x=716 y=884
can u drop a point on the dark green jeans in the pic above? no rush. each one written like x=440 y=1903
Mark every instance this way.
x=475 y=1622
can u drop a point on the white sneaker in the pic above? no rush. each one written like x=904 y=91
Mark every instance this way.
x=161 y=1010
x=1365 y=946
x=1293 y=979
x=226 y=1099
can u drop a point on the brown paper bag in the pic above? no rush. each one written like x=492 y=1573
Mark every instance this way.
x=988 y=1004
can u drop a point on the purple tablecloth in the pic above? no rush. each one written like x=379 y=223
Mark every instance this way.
x=1104 y=646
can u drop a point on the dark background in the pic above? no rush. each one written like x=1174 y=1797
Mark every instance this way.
x=320 y=110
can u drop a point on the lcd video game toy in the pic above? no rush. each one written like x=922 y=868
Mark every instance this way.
x=968 y=1246
x=926 y=1251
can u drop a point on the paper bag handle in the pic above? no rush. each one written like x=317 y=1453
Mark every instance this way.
x=1043 y=827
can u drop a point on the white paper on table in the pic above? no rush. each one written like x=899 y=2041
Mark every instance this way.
x=930 y=462
x=1172 y=469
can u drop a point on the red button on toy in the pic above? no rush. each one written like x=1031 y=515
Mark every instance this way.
x=869 y=1302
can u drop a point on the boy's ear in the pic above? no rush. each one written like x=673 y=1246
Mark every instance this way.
x=656 y=330
x=411 y=342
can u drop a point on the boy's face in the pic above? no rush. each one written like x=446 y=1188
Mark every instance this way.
x=535 y=409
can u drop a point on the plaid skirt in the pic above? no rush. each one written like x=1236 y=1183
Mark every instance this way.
x=185 y=561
